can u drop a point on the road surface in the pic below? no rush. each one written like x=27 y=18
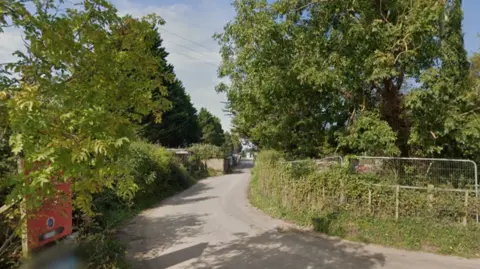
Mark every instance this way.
x=212 y=225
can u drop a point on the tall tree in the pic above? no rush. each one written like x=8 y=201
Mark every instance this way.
x=179 y=125
x=227 y=144
x=83 y=78
x=212 y=132
x=236 y=142
x=443 y=110
x=303 y=72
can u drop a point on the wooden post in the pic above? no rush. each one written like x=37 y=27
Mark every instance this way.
x=23 y=212
x=342 y=192
x=397 y=203
x=466 y=209
x=323 y=194
x=430 y=189
x=370 y=200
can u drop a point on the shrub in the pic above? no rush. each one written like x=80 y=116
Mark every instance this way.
x=156 y=173
x=9 y=246
x=206 y=151
x=102 y=251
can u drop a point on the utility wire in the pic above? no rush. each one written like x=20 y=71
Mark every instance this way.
x=196 y=59
x=199 y=52
x=198 y=44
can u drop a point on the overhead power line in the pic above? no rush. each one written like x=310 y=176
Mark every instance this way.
x=199 y=52
x=198 y=44
x=194 y=58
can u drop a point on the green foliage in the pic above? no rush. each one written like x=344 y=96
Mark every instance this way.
x=157 y=174
x=102 y=251
x=236 y=142
x=157 y=171
x=84 y=78
x=370 y=135
x=211 y=128
x=6 y=162
x=302 y=72
x=232 y=143
x=179 y=126
x=309 y=195
x=228 y=146
x=206 y=151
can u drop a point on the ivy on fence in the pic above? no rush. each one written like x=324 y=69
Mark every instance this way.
x=302 y=186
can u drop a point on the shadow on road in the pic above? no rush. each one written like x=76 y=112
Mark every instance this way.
x=272 y=249
x=275 y=249
x=188 y=200
x=191 y=195
x=167 y=231
x=179 y=256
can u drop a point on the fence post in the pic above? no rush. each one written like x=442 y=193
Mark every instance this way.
x=370 y=200
x=466 y=208
x=397 y=203
x=430 y=189
x=23 y=212
x=475 y=170
x=323 y=194
x=342 y=192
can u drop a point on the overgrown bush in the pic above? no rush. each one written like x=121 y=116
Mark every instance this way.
x=10 y=242
x=336 y=201
x=157 y=173
x=206 y=151
x=201 y=152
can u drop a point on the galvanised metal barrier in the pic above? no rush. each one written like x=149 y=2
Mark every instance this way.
x=450 y=175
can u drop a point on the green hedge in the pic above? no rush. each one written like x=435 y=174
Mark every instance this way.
x=206 y=151
x=308 y=195
x=157 y=174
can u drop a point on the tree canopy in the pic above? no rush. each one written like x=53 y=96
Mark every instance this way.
x=211 y=128
x=309 y=76
x=179 y=126
x=74 y=96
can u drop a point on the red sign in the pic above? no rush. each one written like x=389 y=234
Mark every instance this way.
x=53 y=220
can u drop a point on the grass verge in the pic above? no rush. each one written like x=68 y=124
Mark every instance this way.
x=406 y=233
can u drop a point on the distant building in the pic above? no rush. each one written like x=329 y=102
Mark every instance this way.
x=248 y=148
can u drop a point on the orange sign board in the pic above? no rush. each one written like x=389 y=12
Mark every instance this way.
x=53 y=220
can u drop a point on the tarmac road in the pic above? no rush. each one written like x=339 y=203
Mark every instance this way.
x=212 y=225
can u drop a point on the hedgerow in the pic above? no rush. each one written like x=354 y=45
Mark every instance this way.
x=339 y=202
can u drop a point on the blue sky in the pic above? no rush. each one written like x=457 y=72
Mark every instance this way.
x=197 y=20
x=471 y=25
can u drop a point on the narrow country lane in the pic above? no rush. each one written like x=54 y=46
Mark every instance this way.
x=212 y=225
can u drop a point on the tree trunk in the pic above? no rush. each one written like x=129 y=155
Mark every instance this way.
x=392 y=112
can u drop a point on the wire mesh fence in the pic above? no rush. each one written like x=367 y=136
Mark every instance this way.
x=442 y=184
x=329 y=161
x=420 y=172
x=378 y=186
